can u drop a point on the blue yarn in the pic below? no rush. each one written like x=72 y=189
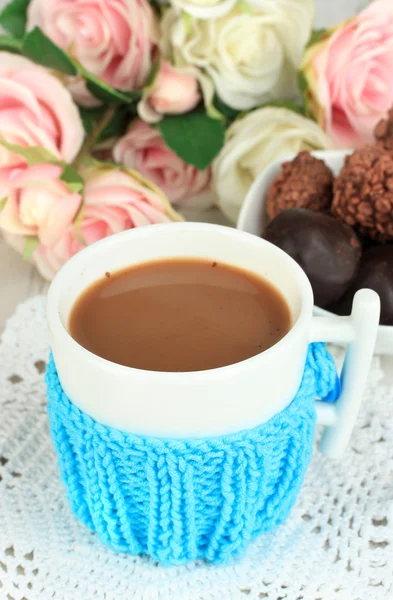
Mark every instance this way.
x=181 y=500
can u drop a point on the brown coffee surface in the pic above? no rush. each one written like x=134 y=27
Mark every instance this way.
x=179 y=315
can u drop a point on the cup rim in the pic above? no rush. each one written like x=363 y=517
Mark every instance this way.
x=76 y=262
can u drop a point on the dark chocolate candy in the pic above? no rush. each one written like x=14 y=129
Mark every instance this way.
x=363 y=192
x=327 y=249
x=375 y=272
x=304 y=182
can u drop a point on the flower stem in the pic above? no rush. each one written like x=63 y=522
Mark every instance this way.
x=95 y=133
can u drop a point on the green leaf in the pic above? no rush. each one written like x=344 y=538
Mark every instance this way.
x=195 y=137
x=316 y=36
x=10 y=44
x=152 y=75
x=159 y=5
x=33 y=155
x=118 y=125
x=90 y=116
x=31 y=243
x=229 y=113
x=40 y=49
x=302 y=83
x=14 y=16
x=106 y=93
x=303 y=87
x=297 y=108
x=71 y=177
x=3 y=203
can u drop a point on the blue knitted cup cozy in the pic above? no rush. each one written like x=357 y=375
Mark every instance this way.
x=181 y=500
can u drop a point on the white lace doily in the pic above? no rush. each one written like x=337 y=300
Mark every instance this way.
x=337 y=543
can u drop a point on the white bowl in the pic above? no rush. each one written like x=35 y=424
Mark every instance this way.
x=253 y=219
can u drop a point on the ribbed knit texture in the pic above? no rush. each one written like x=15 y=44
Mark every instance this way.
x=181 y=500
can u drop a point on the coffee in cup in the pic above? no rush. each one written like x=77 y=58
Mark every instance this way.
x=179 y=314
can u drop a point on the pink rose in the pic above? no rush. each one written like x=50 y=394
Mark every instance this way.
x=349 y=74
x=142 y=148
x=35 y=110
x=116 y=40
x=115 y=200
x=173 y=91
x=39 y=204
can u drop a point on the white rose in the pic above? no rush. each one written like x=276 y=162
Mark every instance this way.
x=252 y=143
x=251 y=54
x=205 y=9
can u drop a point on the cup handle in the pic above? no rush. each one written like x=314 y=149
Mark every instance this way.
x=359 y=331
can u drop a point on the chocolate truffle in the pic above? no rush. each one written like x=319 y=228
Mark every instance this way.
x=327 y=249
x=363 y=193
x=375 y=272
x=305 y=182
x=383 y=132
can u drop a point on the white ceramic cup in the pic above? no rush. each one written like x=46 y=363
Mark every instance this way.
x=217 y=401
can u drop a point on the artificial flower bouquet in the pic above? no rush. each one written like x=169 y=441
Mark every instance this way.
x=118 y=113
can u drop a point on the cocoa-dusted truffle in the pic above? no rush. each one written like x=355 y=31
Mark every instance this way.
x=383 y=132
x=327 y=249
x=363 y=192
x=375 y=272
x=305 y=182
